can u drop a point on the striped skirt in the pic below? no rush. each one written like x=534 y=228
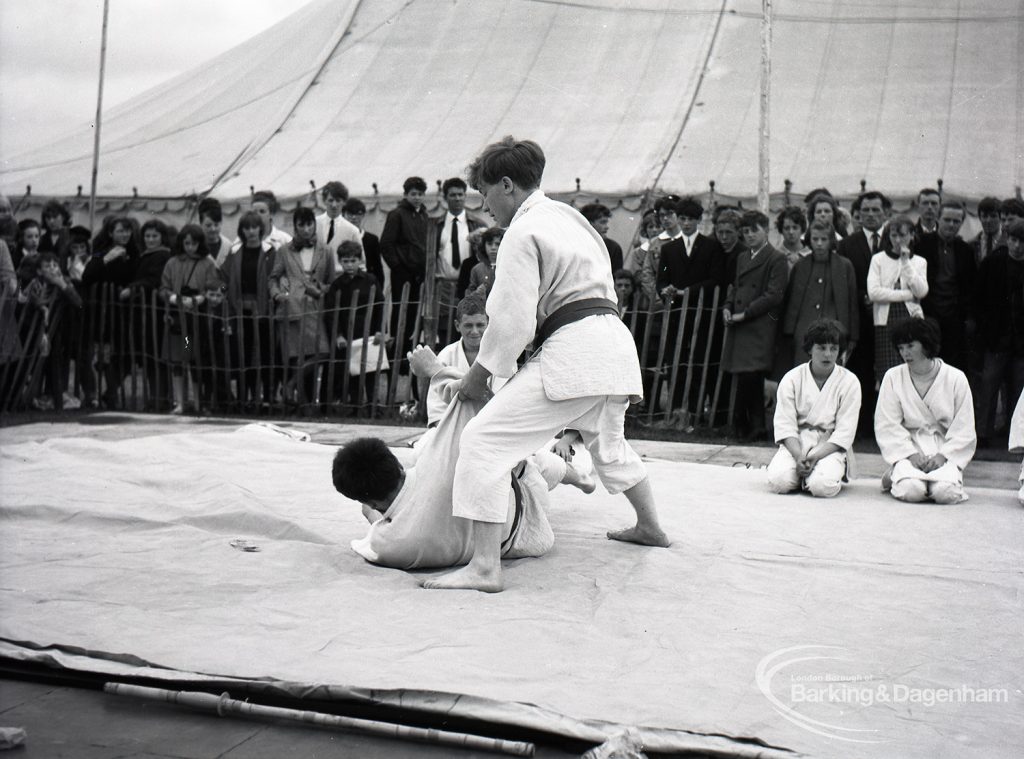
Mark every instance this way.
x=886 y=355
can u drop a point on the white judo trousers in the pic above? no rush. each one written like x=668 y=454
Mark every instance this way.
x=519 y=420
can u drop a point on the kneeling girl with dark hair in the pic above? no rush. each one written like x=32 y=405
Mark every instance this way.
x=924 y=420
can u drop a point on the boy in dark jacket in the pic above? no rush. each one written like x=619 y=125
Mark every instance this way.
x=346 y=322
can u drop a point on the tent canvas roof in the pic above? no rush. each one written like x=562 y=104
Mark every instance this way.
x=626 y=97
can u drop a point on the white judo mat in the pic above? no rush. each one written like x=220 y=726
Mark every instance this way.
x=857 y=626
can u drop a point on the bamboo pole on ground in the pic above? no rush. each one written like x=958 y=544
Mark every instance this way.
x=224 y=705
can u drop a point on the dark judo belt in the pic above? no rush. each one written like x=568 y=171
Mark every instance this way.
x=573 y=312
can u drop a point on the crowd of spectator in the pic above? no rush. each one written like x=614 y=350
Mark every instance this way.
x=258 y=315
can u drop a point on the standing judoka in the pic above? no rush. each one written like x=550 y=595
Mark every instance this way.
x=553 y=287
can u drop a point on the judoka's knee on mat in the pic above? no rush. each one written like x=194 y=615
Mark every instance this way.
x=910 y=490
x=823 y=485
x=947 y=492
x=782 y=476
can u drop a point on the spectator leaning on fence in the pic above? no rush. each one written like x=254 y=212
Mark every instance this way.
x=255 y=353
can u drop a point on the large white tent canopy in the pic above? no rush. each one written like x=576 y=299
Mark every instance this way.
x=626 y=97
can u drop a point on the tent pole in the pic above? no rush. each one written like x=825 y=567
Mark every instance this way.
x=763 y=178
x=99 y=117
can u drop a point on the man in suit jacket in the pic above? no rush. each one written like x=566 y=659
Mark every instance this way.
x=858 y=248
x=332 y=228
x=990 y=238
x=453 y=249
x=928 y=202
x=693 y=263
x=951 y=274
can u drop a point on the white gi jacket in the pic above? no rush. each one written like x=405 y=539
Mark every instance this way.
x=941 y=422
x=814 y=415
x=551 y=256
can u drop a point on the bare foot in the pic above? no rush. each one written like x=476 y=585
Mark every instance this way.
x=644 y=536
x=467 y=578
x=582 y=480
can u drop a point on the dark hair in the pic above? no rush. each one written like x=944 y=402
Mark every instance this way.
x=45 y=256
x=875 y=195
x=54 y=207
x=365 y=470
x=824 y=332
x=470 y=305
x=334 y=190
x=78 y=234
x=754 y=219
x=196 y=233
x=492 y=233
x=453 y=182
x=104 y=239
x=265 y=196
x=956 y=205
x=303 y=215
x=210 y=207
x=522 y=161
x=413 y=183
x=624 y=274
x=927 y=191
x=251 y=219
x=27 y=224
x=690 y=208
x=350 y=249
x=924 y=331
x=989 y=205
x=901 y=222
x=827 y=200
x=794 y=214
x=816 y=193
x=159 y=226
x=594 y=211
x=667 y=203
x=1015 y=229
x=354 y=206
x=1012 y=206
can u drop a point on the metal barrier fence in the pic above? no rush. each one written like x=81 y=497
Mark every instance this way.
x=138 y=353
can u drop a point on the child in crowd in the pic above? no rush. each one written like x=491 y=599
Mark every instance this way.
x=188 y=282
x=470 y=323
x=211 y=216
x=82 y=341
x=924 y=420
x=822 y=285
x=303 y=270
x=51 y=293
x=751 y=314
x=255 y=356
x=816 y=417
x=26 y=250
x=792 y=224
x=481 y=277
x=897 y=281
x=54 y=231
x=353 y=306
x=264 y=203
x=625 y=291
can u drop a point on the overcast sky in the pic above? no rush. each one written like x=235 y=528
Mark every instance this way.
x=50 y=53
